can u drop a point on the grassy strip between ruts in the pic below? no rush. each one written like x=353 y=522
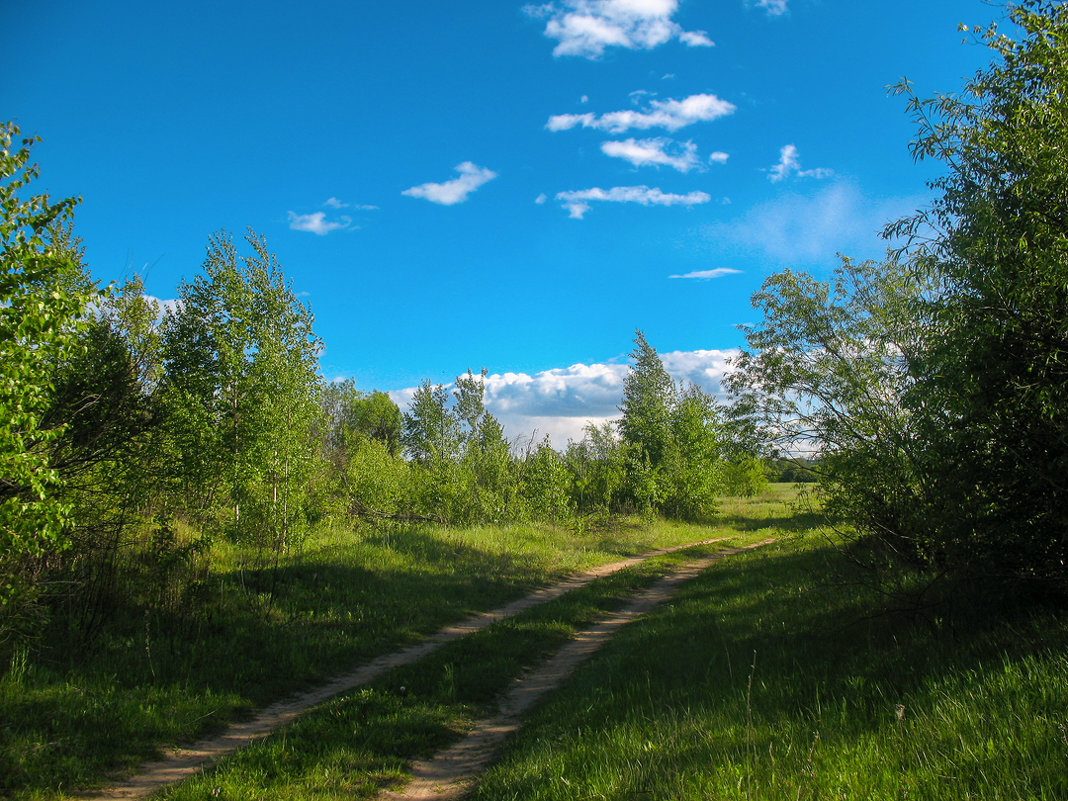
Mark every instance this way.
x=782 y=677
x=67 y=719
x=360 y=742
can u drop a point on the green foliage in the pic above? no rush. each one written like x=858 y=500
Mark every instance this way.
x=376 y=480
x=240 y=375
x=935 y=389
x=40 y=306
x=354 y=415
x=993 y=380
x=597 y=468
x=672 y=440
x=544 y=484
x=829 y=368
x=431 y=429
x=648 y=397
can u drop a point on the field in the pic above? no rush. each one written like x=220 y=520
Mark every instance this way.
x=779 y=673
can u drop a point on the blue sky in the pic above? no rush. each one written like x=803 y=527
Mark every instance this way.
x=486 y=182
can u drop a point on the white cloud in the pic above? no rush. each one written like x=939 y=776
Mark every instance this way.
x=586 y=28
x=775 y=8
x=718 y=272
x=643 y=152
x=317 y=223
x=560 y=402
x=163 y=307
x=577 y=202
x=719 y=157
x=455 y=191
x=334 y=203
x=668 y=114
x=789 y=164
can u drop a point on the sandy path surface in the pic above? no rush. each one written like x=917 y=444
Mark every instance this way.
x=452 y=773
x=181 y=763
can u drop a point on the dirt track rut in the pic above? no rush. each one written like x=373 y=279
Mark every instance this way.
x=450 y=774
x=181 y=763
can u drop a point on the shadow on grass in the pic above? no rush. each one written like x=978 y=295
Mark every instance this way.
x=761 y=653
x=164 y=677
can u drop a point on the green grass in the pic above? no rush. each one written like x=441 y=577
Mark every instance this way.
x=360 y=742
x=775 y=676
x=71 y=716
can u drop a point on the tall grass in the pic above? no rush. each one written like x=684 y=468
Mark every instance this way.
x=780 y=675
x=70 y=716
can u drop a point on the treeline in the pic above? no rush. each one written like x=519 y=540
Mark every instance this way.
x=934 y=385
x=135 y=438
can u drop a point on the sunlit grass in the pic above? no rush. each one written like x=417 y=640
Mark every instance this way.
x=767 y=678
x=68 y=716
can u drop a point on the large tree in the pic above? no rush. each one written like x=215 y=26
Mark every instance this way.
x=935 y=386
x=995 y=356
x=648 y=397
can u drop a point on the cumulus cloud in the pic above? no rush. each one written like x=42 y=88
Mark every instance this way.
x=317 y=223
x=586 y=28
x=790 y=164
x=654 y=152
x=455 y=191
x=163 y=307
x=578 y=202
x=560 y=402
x=719 y=157
x=668 y=114
x=718 y=272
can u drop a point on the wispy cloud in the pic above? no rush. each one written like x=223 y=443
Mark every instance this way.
x=578 y=202
x=455 y=191
x=668 y=114
x=586 y=28
x=775 y=8
x=654 y=152
x=790 y=164
x=317 y=223
x=718 y=272
x=805 y=230
x=334 y=203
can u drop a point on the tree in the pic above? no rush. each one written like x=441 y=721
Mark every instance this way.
x=934 y=387
x=431 y=430
x=995 y=356
x=40 y=307
x=352 y=414
x=828 y=371
x=648 y=395
x=240 y=376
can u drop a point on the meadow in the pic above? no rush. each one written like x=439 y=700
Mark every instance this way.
x=785 y=672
